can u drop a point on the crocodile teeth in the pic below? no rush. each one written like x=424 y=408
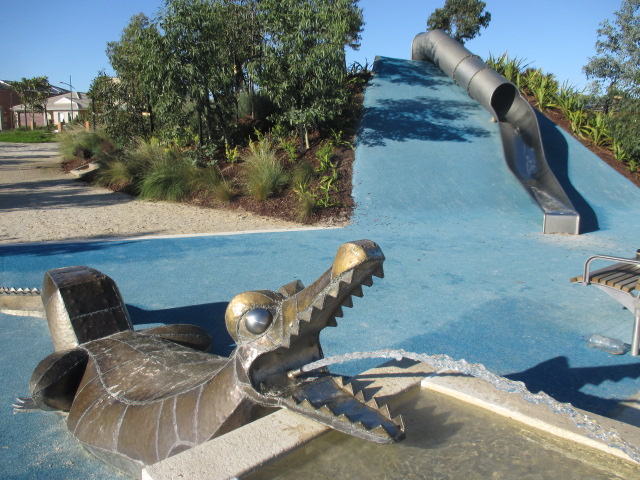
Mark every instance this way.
x=338 y=312
x=306 y=315
x=306 y=404
x=320 y=303
x=357 y=291
x=326 y=410
x=379 y=430
x=347 y=302
x=343 y=418
x=374 y=403
x=347 y=277
x=384 y=410
x=360 y=396
x=379 y=271
x=399 y=421
x=334 y=291
x=368 y=281
x=348 y=387
x=332 y=322
x=361 y=426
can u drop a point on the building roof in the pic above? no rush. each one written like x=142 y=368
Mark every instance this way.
x=60 y=103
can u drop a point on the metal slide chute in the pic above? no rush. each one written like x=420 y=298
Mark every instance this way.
x=519 y=127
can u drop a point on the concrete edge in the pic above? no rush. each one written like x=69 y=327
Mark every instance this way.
x=539 y=416
x=53 y=243
x=252 y=446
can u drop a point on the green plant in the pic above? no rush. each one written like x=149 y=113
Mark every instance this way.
x=576 y=120
x=290 y=148
x=264 y=174
x=231 y=154
x=618 y=151
x=336 y=139
x=307 y=202
x=127 y=170
x=168 y=180
x=596 y=129
x=303 y=173
x=570 y=99
x=633 y=165
x=76 y=142
x=542 y=86
x=324 y=155
x=509 y=68
x=326 y=186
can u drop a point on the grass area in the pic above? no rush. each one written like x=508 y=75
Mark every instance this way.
x=27 y=136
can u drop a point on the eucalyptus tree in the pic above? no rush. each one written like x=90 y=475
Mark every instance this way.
x=616 y=71
x=462 y=19
x=301 y=67
x=129 y=99
x=33 y=93
x=616 y=67
x=208 y=44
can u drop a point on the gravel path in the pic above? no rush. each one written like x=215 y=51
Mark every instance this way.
x=39 y=202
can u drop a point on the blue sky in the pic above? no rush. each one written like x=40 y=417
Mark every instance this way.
x=69 y=37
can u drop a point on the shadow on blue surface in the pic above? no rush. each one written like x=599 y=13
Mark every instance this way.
x=421 y=118
x=556 y=378
x=557 y=153
x=402 y=72
x=209 y=316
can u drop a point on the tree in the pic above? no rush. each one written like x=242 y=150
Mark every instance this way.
x=616 y=67
x=461 y=19
x=302 y=67
x=34 y=93
x=209 y=44
x=129 y=100
x=616 y=70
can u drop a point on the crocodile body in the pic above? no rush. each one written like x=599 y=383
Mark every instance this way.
x=137 y=397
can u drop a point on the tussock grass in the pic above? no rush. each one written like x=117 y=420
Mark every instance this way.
x=77 y=142
x=264 y=173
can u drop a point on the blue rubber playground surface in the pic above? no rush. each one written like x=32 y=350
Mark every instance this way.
x=468 y=272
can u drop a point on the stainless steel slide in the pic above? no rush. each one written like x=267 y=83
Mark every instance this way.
x=519 y=128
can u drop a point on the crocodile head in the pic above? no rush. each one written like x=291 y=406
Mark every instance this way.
x=279 y=332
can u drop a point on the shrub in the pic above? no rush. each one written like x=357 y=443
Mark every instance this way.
x=128 y=169
x=76 y=142
x=303 y=174
x=264 y=174
x=307 y=202
x=543 y=87
x=624 y=125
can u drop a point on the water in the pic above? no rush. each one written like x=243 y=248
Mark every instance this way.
x=448 y=439
x=444 y=362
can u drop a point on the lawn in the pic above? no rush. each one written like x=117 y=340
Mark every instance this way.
x=27 y=136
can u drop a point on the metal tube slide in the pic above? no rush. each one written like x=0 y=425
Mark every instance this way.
x=518 y=124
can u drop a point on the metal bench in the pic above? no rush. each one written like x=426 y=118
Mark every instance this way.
x=621 y=280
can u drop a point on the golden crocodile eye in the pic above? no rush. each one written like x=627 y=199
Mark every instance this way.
x=258 y=320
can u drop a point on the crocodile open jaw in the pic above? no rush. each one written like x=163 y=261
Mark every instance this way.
x=294 y=317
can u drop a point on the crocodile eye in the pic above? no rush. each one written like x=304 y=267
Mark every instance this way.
x=258 y=320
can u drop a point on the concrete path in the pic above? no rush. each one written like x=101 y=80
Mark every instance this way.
x=468 y=272
x=39 y=202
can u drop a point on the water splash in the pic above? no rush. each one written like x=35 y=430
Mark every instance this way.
x=444 y=362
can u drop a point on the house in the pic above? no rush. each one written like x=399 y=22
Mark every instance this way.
x=8 y=99
x=59 y=108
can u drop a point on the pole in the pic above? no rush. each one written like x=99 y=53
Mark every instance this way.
x=71 y=99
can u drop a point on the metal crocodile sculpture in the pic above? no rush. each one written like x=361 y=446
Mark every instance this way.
x=137 y=397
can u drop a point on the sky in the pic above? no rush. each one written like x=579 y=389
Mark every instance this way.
x=66 y=40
